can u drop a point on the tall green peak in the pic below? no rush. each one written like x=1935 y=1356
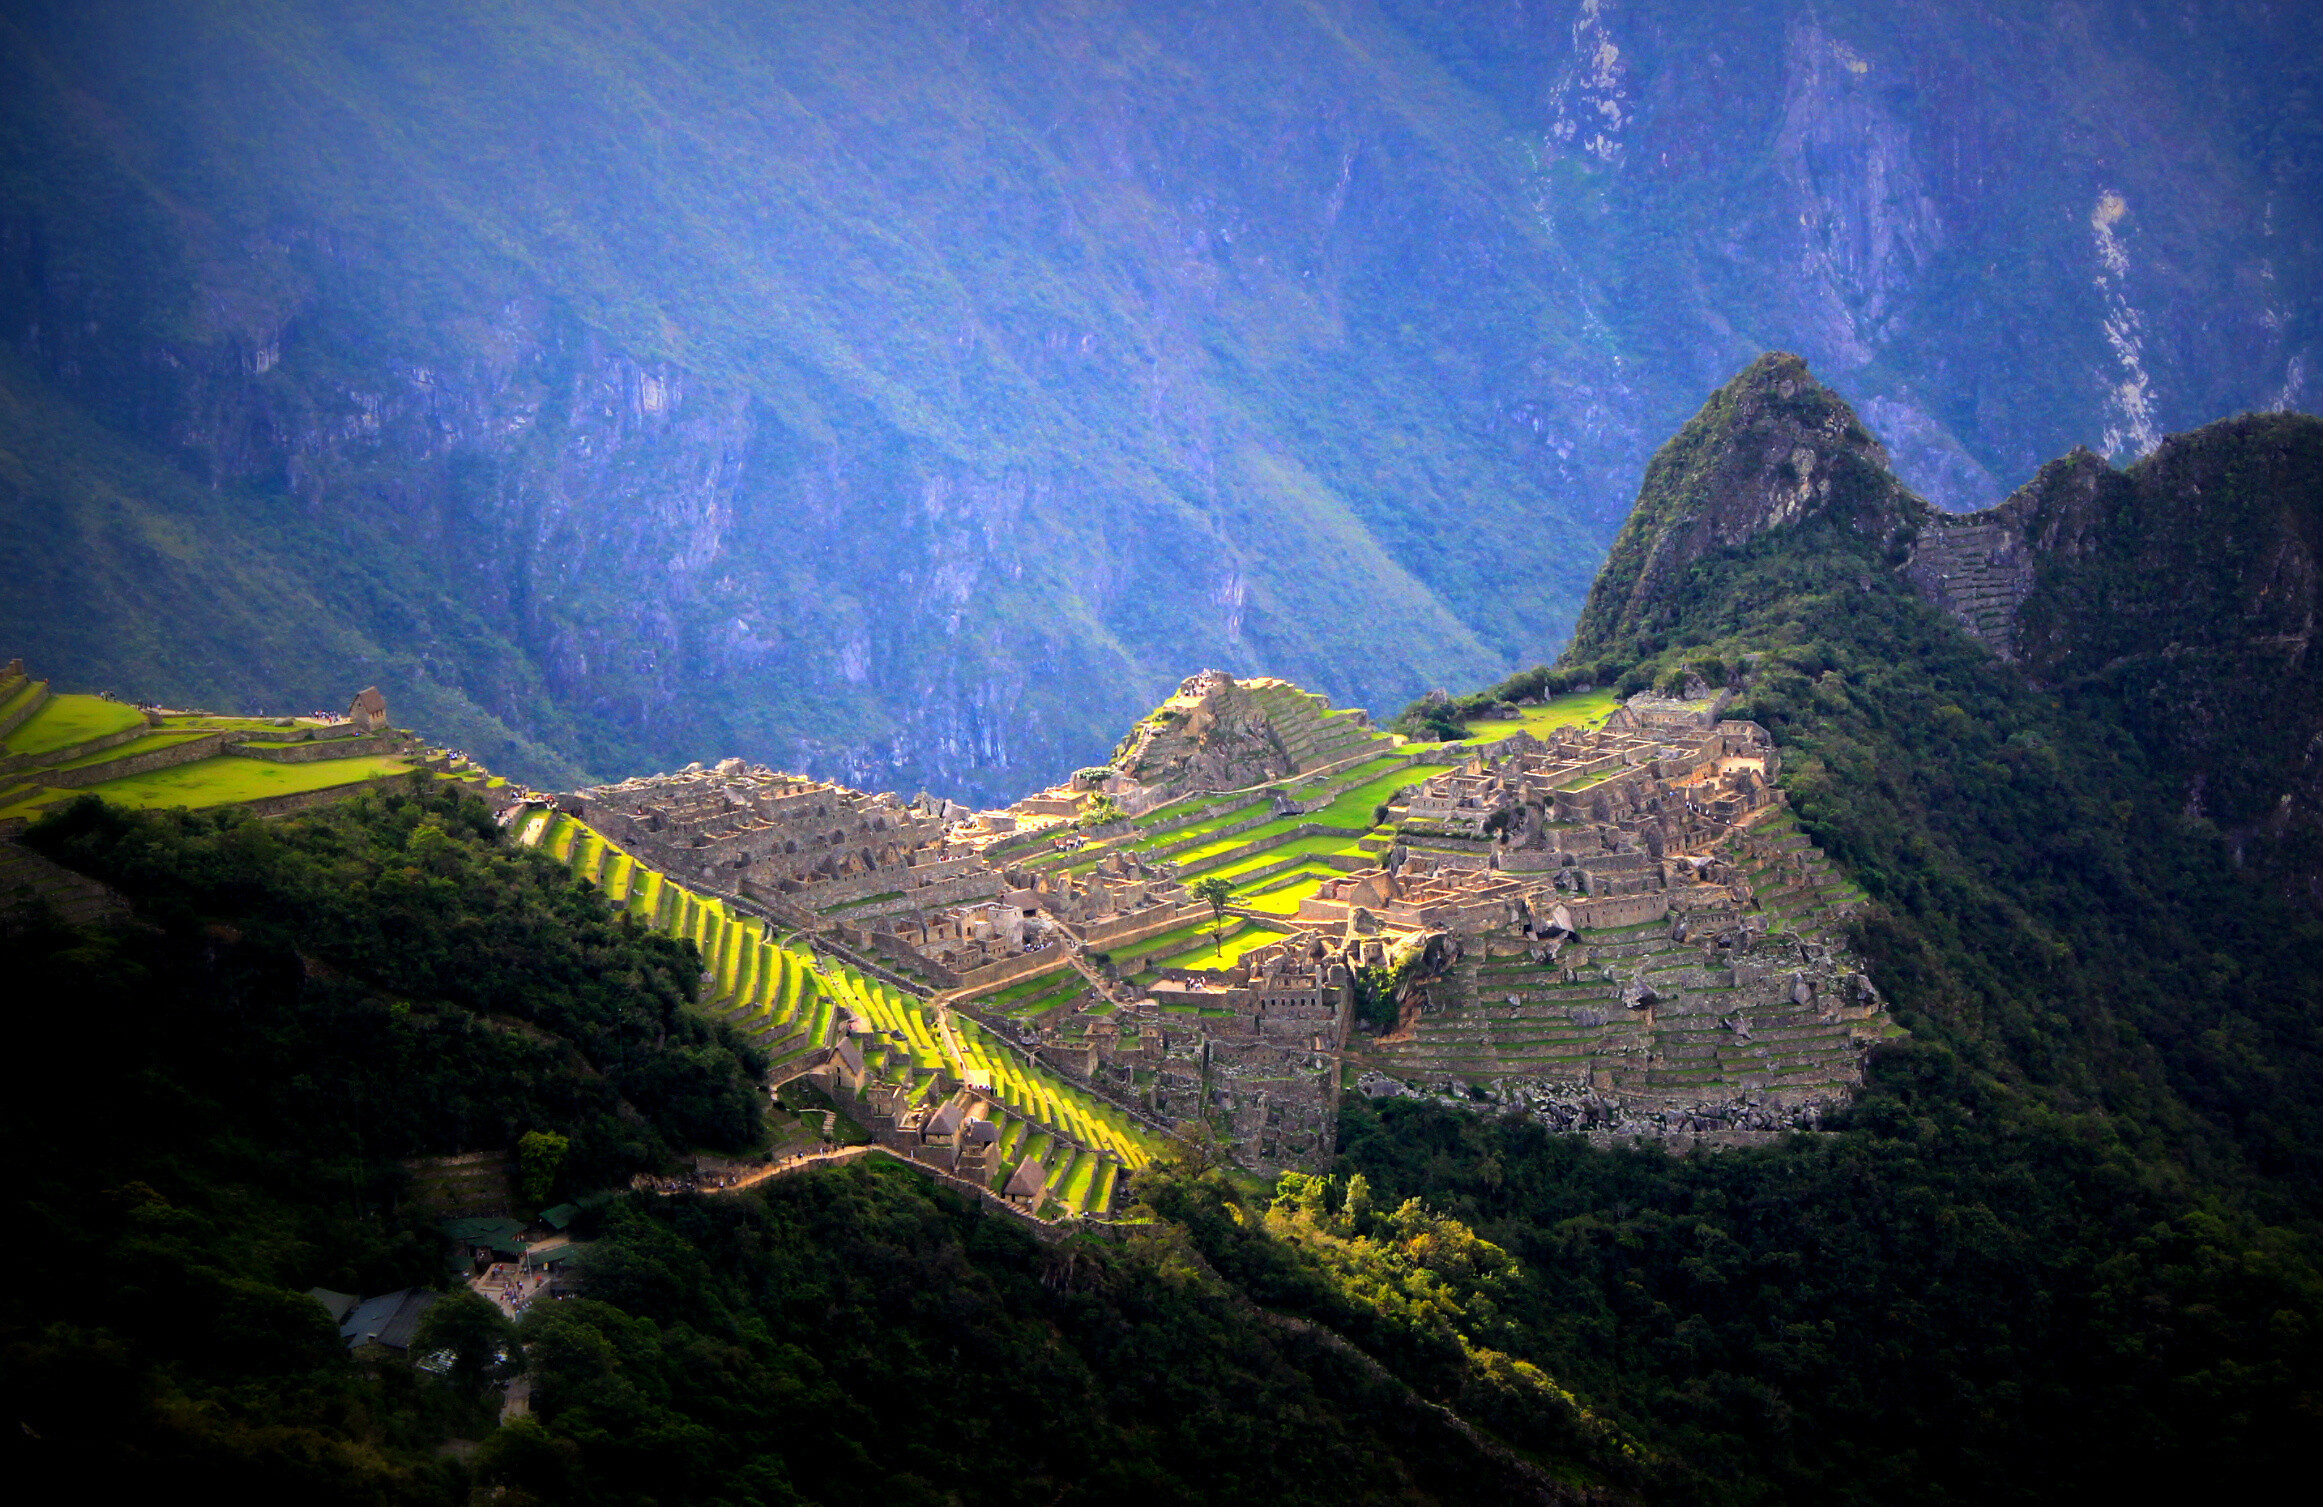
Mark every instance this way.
x=1772 y=448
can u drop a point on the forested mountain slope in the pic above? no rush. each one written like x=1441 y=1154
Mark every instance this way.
x=914 y=392
x=2063 y=1247
x=218 y=1111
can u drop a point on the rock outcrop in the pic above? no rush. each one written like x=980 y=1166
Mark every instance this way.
x=2179 y=593
x=1771 y=448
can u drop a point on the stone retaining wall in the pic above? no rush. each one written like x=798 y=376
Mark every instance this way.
x=23 y=714
x=187 y=752
x=1165 y=850
x=1303 y=829
x=957 y=890
x=306 y=800
x=1619 y=910
x=1130 y=929
x=16 y=763
x=314 y=751
x=1009 y=971
x=855 y=951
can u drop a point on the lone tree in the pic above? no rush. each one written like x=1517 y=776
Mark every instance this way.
x=539 y=1155
x=1215 y=891
x=473 y=1335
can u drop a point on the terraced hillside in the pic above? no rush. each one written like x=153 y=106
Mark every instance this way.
x=1218 y=733
x=1579 y=709
x=777 y=988
x=1645 y=1027
x=54 y=748
x=1083 y=1142
x=1276 y=824
x=753 y=976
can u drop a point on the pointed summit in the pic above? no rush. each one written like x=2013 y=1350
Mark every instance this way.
x=1772 y=447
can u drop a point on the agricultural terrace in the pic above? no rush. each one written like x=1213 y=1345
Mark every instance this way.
x=784 y=994
x=129 y=750
x=1203 y=946
x=1047 y=1099
x=1068 y=1128
x=766 y=986
x=221 y=781
x=1213 y=952
x=1184 y=809
x=63 y=721
x=1319 y=847
x=1242 y=809
x=1350 y=811
x=1036 y=996
x=1280 y=894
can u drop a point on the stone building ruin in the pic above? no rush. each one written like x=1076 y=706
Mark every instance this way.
x=1618 y=929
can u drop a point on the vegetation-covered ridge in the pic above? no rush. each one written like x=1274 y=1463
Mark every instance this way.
x=217 y=1113
x=2063 y=1245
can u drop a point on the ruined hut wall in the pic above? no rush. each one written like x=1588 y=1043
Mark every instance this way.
x=1134 y=927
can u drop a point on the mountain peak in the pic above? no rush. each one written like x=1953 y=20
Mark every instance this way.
x=1771 y=448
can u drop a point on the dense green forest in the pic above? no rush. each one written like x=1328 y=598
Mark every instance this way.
x=208 y=1110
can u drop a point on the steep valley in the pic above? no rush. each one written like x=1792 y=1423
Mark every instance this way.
x=913 y=395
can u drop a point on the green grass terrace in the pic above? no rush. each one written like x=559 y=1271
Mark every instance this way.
x=1351 y=811
x=1585 y=710
x=221 y=781
x=63 y=721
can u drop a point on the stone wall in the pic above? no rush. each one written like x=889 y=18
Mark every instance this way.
x=315 y=751
x=307 y=800
x=16 y=717
x=1135 y=927
x=145 y=763
x=16 y=762
x=1010 y=971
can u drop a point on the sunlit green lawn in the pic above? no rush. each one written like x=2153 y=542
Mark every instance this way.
x=1585 y=710
x=67 y=720
x=1350 y=812
x=218 y=781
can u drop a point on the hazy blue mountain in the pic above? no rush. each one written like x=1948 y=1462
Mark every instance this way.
x=915 y=392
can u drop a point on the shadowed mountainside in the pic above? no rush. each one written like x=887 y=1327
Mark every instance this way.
x=915 y=392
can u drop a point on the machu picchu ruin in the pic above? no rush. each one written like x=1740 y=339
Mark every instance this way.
x=55 y=747
x=1387 y=754
x=1592 y=911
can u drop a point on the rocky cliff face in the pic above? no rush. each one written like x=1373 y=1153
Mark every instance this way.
x=1771 y=448
x=2176 y=597
x=916 y=396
